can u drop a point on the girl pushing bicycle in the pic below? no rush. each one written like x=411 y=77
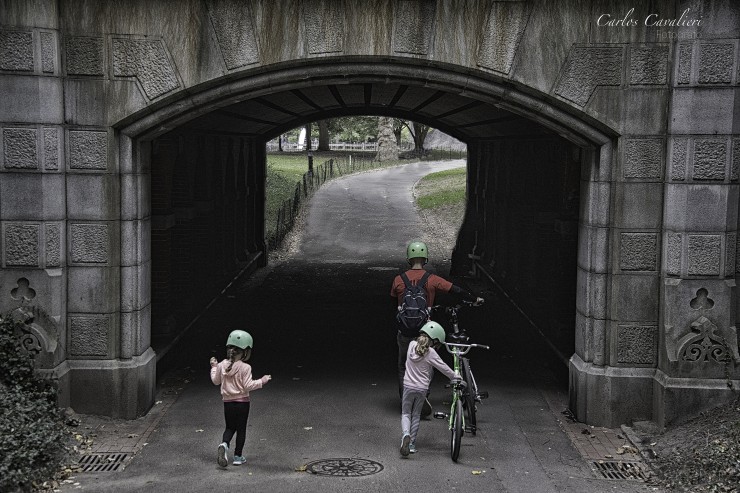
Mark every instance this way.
x=421 y=359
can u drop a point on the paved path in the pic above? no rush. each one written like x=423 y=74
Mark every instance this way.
x=331 y=351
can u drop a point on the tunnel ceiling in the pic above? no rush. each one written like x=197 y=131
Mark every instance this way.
x=270 y=115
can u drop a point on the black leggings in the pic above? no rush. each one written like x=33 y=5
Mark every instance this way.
x=236 y=414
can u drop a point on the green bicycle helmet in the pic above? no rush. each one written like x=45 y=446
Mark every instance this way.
x=240 y=339
x=434 y=330
x=417 y=249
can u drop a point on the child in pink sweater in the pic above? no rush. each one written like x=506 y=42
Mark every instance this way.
x=235 y=377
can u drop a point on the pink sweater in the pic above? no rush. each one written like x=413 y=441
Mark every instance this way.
x=236 y=384
x=419 y=369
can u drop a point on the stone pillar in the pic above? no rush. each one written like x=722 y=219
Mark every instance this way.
x=698 y=362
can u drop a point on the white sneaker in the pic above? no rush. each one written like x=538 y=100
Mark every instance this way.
x=405 y=445
x=223 y=453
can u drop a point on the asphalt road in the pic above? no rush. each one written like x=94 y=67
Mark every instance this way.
x=322 y=326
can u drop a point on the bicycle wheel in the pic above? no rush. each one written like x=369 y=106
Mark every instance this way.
x=457 y=430
x=469 y=397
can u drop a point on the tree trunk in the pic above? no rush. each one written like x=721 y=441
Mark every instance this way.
x=280 y=143
x=387 y=148
x=308 y=137
x=420 y=134
x=323 y=136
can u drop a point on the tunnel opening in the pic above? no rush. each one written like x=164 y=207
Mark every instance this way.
x=529 y=165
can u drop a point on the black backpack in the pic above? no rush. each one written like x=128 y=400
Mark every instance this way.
x=414 y=311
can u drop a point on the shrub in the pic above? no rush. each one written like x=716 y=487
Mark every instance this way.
x=32 y=441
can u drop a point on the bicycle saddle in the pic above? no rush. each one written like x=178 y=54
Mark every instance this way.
x=459 y=338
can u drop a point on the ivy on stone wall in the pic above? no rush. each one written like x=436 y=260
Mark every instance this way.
x=32 y=445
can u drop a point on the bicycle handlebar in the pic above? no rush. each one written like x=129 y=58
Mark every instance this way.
x=450 y=346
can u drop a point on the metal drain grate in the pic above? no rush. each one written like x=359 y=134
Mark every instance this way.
x=620 y=470
x=344 y=467
x=102 y=462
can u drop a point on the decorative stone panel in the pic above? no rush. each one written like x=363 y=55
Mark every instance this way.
x=730 y=252
x=89 y=335
x=638 y=251
x=16 y=51
x=679 y=151
x=502 y=34
x=51 y=148
x=673 y=255
x=588 y=67
x=84 y=55
x=52 y=234
x=324 y=22
x=21 y=245
x=685 y=54
x=704 y=254
x=19 y=148
x=710 y=156
x=637 y=344
x=715 y=63
x=643 y=158
x=89 y=243
x=146 y=60
x=737 y=257
x=735 y=166
x=48 y=53
x=649 y=65
x=233 y=24
x=414 y=26
x=88 y=149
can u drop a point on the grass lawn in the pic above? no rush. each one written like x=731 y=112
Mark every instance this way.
x=444 y=188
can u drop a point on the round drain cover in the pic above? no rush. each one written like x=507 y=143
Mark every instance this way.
x=344 y=467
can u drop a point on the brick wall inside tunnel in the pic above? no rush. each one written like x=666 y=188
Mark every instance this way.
x=528 y=234
x=203 y=223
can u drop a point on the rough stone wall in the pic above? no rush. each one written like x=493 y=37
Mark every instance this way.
x=659 y=200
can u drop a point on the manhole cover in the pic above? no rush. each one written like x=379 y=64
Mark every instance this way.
x=620 y=470
x=344 y=467
x=101 y=462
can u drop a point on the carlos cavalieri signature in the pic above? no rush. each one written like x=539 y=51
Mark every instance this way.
x=685 y=20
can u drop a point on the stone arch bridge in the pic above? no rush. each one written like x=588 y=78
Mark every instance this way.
x=603 y=159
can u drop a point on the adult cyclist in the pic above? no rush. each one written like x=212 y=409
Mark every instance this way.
x=417 y=257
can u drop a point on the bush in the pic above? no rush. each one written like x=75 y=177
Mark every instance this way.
x=32 y=445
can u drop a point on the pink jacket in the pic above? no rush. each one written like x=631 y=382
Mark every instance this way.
x=419 y=369
x=236 y=384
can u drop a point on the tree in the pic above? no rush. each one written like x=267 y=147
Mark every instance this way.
x=387 y=147
x=323 y=136
x=419 y=133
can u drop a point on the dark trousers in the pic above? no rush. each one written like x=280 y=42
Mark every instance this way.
x=236 y=414
x=403 y=348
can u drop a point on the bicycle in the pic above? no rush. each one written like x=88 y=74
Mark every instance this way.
x=465 y=393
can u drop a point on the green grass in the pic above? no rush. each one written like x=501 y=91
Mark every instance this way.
x=443 y=188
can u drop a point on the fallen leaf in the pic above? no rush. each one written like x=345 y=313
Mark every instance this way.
x=158 y=402
x=199 y=431
x=476 y=472
x=308 y=427
x=301 y=468
x=133 y=435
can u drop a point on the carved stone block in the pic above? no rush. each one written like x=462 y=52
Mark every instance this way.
x=649 y=65
x=673 y=256
x=679 y=151
x=715 y=63
x=643 y=158
x=710 y=156
x=52 y=233
x=22 y=245
x=704 y=253
x=414 y=26
x=84 y=55
x=685 y=54
x=89 y=243
x=587 y=68
x=88 y=149
x=735 y=166
x=233 y=24
x=16 y=51
x=324 y=21
x=48 y=53
x=148 y=62
x=638 y=251
x=502 y=34
x=637 y=344
x=730 y=252
x=51 y=148
x=89 y=335
x=19 y=148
